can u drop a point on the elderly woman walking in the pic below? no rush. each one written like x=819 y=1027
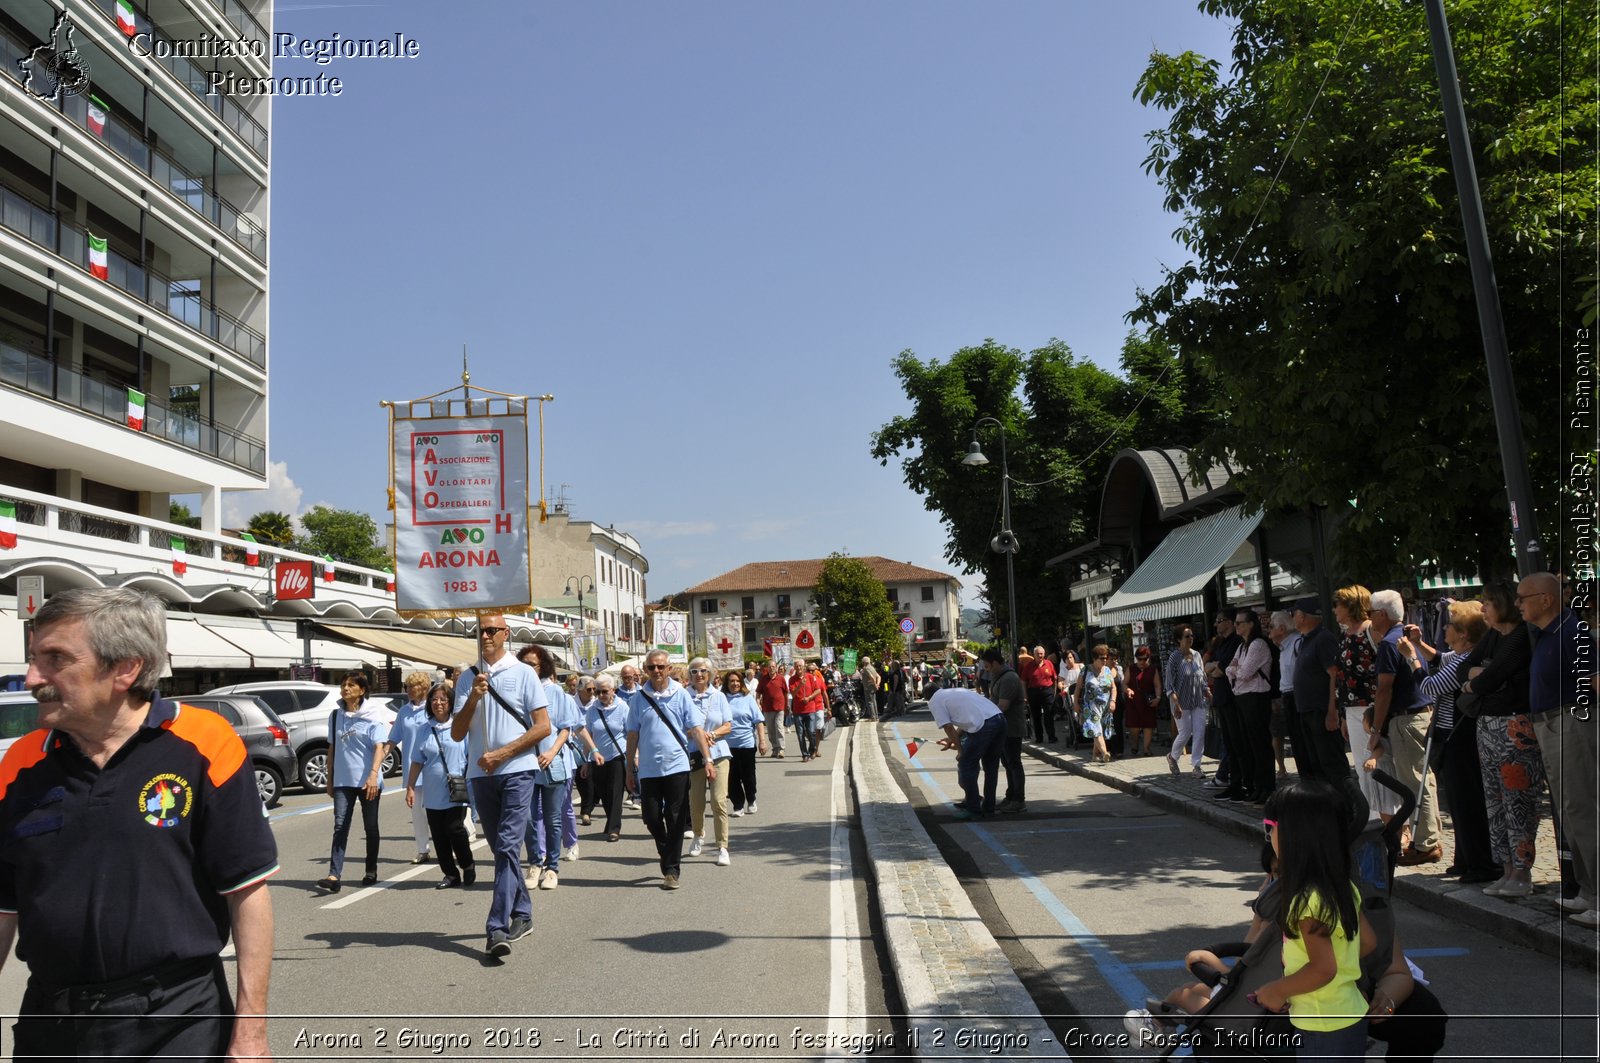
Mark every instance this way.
x=713 y=706
x=1189 y=698
x=1097 y=693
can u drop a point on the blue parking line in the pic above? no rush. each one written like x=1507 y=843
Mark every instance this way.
x=1117 y=974
x=313 y=810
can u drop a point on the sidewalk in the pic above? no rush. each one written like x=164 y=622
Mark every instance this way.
x=1532 y=922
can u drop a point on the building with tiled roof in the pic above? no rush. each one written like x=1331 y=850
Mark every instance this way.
x=770 y=597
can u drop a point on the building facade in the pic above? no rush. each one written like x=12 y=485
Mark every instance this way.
x=769 y=595
x=606 y=566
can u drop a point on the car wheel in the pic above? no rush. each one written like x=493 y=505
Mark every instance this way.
x=269 y=784
x=314 y=770
x=391 y=763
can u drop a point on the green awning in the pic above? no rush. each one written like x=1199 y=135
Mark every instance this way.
x=1172 y=580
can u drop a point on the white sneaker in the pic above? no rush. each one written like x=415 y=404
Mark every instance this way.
x=549 y=880
x=532 y=878
x=1590 y=919
x=570 y=854
x=697 y=848
x=1572 y=904
x=722 y=858
x=1142 y=1027
x=688 y=834
x=751 y=810
x=736 y=812
x=630 y=802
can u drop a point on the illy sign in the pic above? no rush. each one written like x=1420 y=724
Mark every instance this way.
x=293 y=580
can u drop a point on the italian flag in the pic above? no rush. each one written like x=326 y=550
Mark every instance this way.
x=136 y=410
x=180 y=558
x=97 y=116
x=388 y=583
x=8 y=525
x=328 y=569
x=125 y=18
x=252 y=552
x=98 y=264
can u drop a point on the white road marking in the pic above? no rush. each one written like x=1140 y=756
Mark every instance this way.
x=847 y=998
x=404 y=876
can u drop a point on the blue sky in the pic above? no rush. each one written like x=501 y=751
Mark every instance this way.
x=707 y=228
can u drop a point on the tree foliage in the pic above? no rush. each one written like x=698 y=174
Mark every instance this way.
x=1064 y=420
x=178 y=513
x=272 y=528
x=1329 y=308
x=343 y=535
x=855 y=609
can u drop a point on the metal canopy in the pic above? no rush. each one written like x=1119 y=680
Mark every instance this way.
x=1172 y=580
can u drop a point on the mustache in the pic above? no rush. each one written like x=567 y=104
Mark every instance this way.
x=45 y=692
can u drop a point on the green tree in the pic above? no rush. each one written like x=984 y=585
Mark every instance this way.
x=855 y=609
x=1065 y=419
x=343 y=535
x=178 y=513
x=1328 y=308
x=272 y=528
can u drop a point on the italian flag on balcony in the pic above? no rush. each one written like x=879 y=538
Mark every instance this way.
x=125 y=18
x=328 y=569
x=136 y=410
x=252 y=552
x=99 y=265
x=180 y=558
x=388 y=581
x=8 y=525
x=97 y=116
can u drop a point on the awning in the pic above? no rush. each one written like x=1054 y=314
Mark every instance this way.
x=411 y=644
x=1172 y=580
x=192 y=645
x=264 y=644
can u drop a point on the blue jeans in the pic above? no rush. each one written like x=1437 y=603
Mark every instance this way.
x=808 y=726
x=504 y=804
x=1333 y=1046
x=544 y=824
x=344 y=803
x=981 y=748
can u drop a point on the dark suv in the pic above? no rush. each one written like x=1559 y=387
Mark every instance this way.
x=266 y=739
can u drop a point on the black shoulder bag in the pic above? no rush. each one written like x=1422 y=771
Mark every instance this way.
x=455 y=785
x=697 y=759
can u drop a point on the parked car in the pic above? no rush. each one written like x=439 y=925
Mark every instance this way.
x=265 y=736
x=304 y=707
x=266 y=739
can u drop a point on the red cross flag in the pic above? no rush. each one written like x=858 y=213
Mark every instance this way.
x=725 y=643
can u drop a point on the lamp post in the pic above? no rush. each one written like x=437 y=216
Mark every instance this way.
x=578 y=582
x=1006 y=541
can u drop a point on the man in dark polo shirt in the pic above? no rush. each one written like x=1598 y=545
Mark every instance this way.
x=132 y=843
x=1319 y=749
x=1561 y=696
x=1007 y=692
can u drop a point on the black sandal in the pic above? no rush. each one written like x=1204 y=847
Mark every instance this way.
x=330 y=884
x=370 y=878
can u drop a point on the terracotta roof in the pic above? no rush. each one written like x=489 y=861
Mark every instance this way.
x=779 y=575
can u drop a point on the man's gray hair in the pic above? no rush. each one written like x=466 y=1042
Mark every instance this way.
x=1282 y=620
x=1390 y=604
x=121 y=624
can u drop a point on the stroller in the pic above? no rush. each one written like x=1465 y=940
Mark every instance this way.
x=1231 y=1026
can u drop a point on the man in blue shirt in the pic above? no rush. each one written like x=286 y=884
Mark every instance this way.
x=657 y=754
x=1401 y=711
x=501 y=704
x=1561 y=698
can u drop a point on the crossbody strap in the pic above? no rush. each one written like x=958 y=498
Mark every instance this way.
x=654 y=704
x=609 y=733
x=442 y=758
x=515 y=714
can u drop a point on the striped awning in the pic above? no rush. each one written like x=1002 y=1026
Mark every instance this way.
x=1172 y=580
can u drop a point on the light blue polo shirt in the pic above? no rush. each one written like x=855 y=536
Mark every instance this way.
x=355 y=736
x=660 y=750
x=599 y=718
x=746 y=716
x=410 y=722
x=563 y=717
x=713 y=704
x=492 y=726
x=438 y=758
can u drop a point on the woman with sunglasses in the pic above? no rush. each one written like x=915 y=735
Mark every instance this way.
x=713 y=705
x=1250 y=676
x=434 y=757
x=1144 y=684
x=1189 y=698
x=1097 y=693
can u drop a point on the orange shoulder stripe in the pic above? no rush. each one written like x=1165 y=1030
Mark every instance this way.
x=24 y=753
x=213 y=737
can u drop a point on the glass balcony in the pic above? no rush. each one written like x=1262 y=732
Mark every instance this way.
x=32 y=372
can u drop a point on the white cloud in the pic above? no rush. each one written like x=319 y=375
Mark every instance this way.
x=667 y=529
x=756 y=530
x=280 y=496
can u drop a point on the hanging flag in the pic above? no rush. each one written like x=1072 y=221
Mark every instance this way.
x=8 y=525
x=388 y=582
x=252 y=550
x=125 y=18
x=99 y=264
x=180 y=558
x=911 y=749
x=328 y=569
x=97 y=116
x=136 y=410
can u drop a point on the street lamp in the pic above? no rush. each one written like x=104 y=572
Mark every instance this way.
x=1006 y=541
x=578 y=582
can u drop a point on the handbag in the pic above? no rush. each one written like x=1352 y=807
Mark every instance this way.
x=455 y=785
x=697 y=759
x=1469 y=703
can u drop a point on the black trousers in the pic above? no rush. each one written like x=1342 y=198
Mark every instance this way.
x=607 y=782
x=451 y=842
x=666 y=816
x=742 y=778
x=173 y=1014
x=1416 y=1032
x=1318 y=752
x=1011 y=758
x=584 y=784
x=1236 y=762
x=1044 y=719
x=1462 y=779
x=1255 y=722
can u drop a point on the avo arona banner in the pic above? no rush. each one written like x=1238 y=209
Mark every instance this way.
x=461 y=511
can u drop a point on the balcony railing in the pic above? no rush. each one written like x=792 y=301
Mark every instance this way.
x=179 y=300
x=193 y=75
x=125 y=141
x=32 y=372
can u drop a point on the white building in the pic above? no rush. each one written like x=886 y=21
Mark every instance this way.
x=606 y=565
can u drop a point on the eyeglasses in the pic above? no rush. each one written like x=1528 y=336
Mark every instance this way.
x=491 y=632
x=1532 y=594
x=699 y=671
x=657 y=667
x=1266 y=827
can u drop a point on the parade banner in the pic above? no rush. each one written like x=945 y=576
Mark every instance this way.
x=671 y=634
x=460 y=485
x=806 y=636
x=589 y=652
x=725 y=642
x=847 y=661
x=781 y=651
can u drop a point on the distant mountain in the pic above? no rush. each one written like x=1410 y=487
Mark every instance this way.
x=972 y=627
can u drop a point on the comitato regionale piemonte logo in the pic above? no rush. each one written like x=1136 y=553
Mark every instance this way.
x=56 y=69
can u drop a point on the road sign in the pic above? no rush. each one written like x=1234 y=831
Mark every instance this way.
x=30 y=596
x=908 y=625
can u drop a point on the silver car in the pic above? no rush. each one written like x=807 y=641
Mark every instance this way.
x=304 y=707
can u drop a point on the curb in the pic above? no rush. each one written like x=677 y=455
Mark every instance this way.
x=961 y=996
x=1517 y=924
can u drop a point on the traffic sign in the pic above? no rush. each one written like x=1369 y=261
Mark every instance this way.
x=30 y=596
x=908 y=625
